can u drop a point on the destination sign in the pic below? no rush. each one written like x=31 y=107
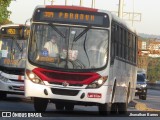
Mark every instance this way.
x=71 y=17
x=10 y=31
x=9 y=61
x=19 y=32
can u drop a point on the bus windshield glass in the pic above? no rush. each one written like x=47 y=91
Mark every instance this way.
x=12 y=52
x=68 y=47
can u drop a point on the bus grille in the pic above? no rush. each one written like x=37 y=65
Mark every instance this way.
x=58 y=83
x=20 y=81
x=64 y=92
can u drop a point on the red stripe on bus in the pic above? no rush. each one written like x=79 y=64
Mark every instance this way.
x=19 y=77
x=70 y=77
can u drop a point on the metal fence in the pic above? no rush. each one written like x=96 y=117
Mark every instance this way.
x=153 y=86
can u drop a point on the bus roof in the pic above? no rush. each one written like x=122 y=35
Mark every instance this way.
x=67 y=7
x=122 y=22
x=11 y=25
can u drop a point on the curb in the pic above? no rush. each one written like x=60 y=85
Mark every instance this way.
x=142 y=107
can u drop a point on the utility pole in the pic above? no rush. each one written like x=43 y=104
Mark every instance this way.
x=133 y=14
x=80 y=3
x=120 y=8
x=128 y=16
x=44 y=2
x=65 y=2
x=93 y=3
x=52 y=1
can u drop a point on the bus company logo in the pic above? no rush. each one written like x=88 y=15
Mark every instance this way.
x=65 y=84
x=6 y=114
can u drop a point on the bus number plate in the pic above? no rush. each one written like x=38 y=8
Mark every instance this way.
x=94 y=95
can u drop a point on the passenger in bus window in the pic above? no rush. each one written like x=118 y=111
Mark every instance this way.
x=4 y=49
x=97 y=56
x=51 y=46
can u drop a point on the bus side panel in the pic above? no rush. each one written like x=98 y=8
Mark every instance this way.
x=124 y=75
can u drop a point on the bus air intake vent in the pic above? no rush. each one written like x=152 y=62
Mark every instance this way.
x=64 y=92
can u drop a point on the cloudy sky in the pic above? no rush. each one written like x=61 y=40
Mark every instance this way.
x=149 y=9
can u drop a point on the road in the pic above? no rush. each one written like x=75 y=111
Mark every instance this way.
x=19 y=103
x=153 y=99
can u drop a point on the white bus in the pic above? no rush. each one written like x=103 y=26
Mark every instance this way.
x=12 y=59
x=95 y=64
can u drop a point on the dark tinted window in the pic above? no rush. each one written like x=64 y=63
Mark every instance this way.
x=140 y=78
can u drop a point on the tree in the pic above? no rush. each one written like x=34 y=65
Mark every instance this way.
x=4 y=13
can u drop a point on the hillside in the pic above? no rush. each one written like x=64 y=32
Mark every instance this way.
x=143 y=35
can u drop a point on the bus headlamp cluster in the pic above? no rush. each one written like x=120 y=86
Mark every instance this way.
x=33 y=77
x=143 y=85
x=97 y=83
x=4 y=79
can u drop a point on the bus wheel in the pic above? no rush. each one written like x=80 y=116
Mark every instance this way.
x=40 y=104
x=69 y=107
x=122 y=108
x=140 y=97
x=114 y=108
x=3 y=95
x=104 y=109
x=144 y=97
x=59 y=106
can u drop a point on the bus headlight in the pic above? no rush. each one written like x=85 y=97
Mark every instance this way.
x=34 y=78
x=97 y=83
x=31 y=76
x=143 y=85
x=4 y=79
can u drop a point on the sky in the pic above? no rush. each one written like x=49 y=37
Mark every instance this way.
x=148 y=9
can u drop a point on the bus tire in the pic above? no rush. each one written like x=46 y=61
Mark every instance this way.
x=128 y=94
x=114 y=108
x=59 y=106
x=140 y=97
x=3 y=95
x=113 y=105
x=40 y=104
x=144 y=97
x=122 y=108
x=104 y=109
x=69 y=107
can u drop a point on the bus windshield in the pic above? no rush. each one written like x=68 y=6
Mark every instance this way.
x=12 y=53
x=74 y=47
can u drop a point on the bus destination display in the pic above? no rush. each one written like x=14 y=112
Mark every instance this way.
x=10 y=31
x=72 y=17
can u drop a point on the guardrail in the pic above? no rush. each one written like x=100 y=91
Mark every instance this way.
x=153 y=86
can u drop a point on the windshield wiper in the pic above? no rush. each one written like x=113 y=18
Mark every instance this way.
x=20 y=49
x=81 y=34
x=59 y=32
x=14 y=39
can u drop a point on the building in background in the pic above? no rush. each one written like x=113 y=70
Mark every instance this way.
x=149 y=58
x=142 y=54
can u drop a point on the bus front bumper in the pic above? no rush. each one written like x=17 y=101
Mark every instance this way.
x=12 y=87
x=99 y=95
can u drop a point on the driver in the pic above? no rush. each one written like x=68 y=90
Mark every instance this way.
x=51 y=46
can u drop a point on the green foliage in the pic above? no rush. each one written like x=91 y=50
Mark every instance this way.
x=153 y=71
x=4 y=13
